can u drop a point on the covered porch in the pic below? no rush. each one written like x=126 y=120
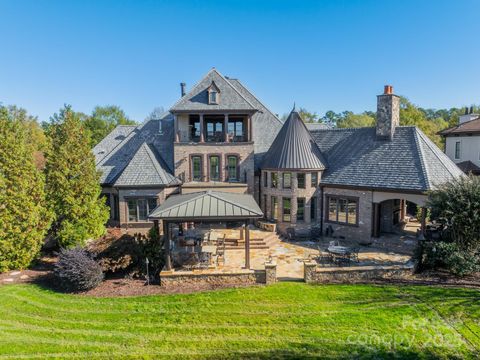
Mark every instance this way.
x=199 y=228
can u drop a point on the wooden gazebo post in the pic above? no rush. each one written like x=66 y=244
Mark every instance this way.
x=247 y=245
x=167 y=234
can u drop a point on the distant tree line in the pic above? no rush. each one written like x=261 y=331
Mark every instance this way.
x=430 y=121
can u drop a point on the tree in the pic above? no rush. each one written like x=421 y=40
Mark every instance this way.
x=24 y=218
x=414 y=116
x=34 y=133
x=73 y=183
x=351 y=120
x=308 y=116
x=457 y=205
x=103 y=120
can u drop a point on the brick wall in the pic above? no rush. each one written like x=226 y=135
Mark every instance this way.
x=183 y=152
x=363 y=230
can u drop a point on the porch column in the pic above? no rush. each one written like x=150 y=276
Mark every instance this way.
x=242 y=230
x=247 y=246
x=249 y=128
x=202 y=136
x=402 y=210
x=423 y=220
x=376 y=220
x=225 y=127
x=175 y=125
x=167 y=234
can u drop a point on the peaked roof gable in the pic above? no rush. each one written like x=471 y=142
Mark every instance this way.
x=197 y=98
x=294 y=148
x=146 y=168
x=208 y=204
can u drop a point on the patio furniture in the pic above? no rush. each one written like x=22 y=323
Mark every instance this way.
x=220 y=253
x=341 y=254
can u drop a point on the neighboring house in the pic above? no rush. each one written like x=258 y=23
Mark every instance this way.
x=220 y=137
x=462 y=143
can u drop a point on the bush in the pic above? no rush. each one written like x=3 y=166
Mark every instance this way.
x=449 y=256
x=76 y=270
x=127 y=253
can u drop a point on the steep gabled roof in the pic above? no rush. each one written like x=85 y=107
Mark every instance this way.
x=123 y=145
x=472 y=126
x=197 y=98
x=146 y=168
x=294 y=148
x=410 y=161
x=208 y=204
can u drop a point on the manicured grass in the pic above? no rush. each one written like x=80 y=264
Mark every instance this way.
x=285 y=320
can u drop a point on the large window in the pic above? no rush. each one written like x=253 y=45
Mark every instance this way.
x=342 y=210
x=300 y=209
x=197 y=168
x=274 y=176
x=214 y=167
x=274 y=208
x=214 y=127
x=313 y=208
x=287 y=180
x=232 y=168
x=194 y=125
x=301 y=180
x=140 y=208
x=235 y=130
x=458 y=147
x=286 y=209
x=314 y=180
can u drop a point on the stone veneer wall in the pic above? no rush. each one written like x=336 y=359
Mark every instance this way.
x=362 y=231
x=182 y=153
x=293 y=193
x=317 y=275
x=219 y=278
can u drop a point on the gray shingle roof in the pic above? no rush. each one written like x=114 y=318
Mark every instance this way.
x=409 y=162
x=230 y=98
x=294 y=148
x=146 y=168
x=111 y=141
x=208 y=204
x=114 y=163
x=265 y=124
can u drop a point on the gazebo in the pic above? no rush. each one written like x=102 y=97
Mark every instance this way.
x=210 y=206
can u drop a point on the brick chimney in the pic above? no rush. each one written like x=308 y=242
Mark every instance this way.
x=388 y=113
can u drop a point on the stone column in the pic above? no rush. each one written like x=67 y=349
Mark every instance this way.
x=402 y=210
x=270 y=273
x=175 y=125
x=247 y=246
x=249 y=128
x=309 y=269
x=202 y=136
x=225 y=128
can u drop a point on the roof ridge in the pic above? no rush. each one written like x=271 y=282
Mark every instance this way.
x=201 y=194
x=429 y=143
x=234 y=88
x=116 y=146
x=256 y=98
x=422 y=159
x=460 y=124
x=193 y=87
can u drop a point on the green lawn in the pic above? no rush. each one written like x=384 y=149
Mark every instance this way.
x=284 y=320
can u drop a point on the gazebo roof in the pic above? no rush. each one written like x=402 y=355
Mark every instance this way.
x=208 y=205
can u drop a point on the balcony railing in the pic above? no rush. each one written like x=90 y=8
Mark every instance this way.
x=185 y=136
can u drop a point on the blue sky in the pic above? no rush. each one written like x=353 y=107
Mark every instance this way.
x=324 y=55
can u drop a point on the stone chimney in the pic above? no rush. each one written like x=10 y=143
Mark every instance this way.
x=388 y=113
x=182 y=88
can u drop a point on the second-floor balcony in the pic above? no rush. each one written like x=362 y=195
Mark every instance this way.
x=213 y=129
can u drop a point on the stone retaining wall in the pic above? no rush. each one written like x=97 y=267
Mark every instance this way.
x=239 y=277
x=318 y=275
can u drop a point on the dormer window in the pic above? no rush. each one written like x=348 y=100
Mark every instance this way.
x=213 y=94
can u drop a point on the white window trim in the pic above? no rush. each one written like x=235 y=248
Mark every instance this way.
x=459 y=150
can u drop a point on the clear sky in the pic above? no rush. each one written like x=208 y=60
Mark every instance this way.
x=324 y=55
